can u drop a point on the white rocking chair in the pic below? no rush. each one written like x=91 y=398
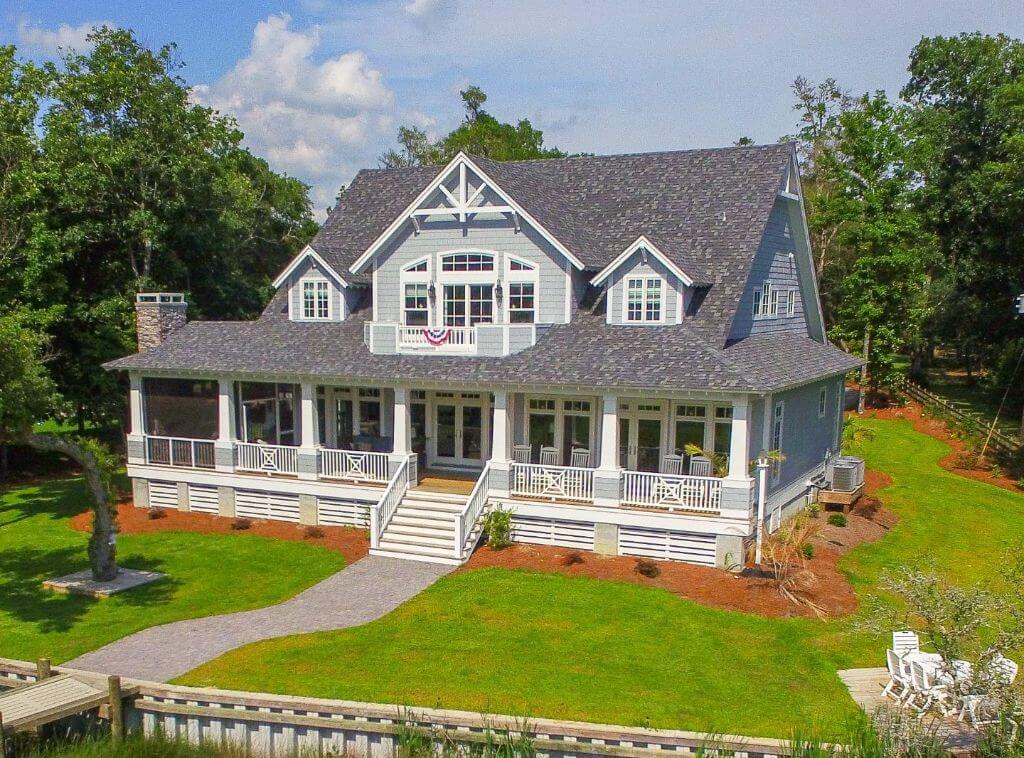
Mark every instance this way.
x=549 y=456
x=701 y=466
x=521 y=453
x=580 y=457
x=672 y=464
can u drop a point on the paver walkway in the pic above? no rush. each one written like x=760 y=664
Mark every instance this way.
x=361 y=592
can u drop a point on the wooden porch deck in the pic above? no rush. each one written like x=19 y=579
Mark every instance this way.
x=447 y=482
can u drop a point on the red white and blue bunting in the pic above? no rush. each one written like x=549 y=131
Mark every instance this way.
x=437 y=336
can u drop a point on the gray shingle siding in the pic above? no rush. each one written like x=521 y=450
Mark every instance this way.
x=635 y=266
x=339 y=308
x=806 y=437
x=772 y=262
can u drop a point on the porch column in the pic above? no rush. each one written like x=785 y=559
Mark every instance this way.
x=608 y=475
x=739 y=456
x=136 y=441
x=402 y=423
x=224 y=447
x=737 y=499
x=308 y=429
x=500 y=480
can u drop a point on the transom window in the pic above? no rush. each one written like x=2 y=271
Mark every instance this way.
x=467 y=262
x=521 y=303
x=420 y=267
x=578 y=406
x=643 y=299
x=316 y=299
x=691 y=411
x=515 y=264
x=417 y=311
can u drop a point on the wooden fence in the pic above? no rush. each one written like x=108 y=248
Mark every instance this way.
x=280 y=725
x=999 y=441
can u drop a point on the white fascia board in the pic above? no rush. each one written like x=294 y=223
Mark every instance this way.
x=462 y=160
x=646 y=244
x=308 y=252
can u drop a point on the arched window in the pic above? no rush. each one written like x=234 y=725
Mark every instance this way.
x=451 y=262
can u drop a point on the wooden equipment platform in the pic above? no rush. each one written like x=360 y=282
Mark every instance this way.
x=835 y=497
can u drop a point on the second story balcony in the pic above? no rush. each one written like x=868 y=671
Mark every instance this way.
x=494 y=340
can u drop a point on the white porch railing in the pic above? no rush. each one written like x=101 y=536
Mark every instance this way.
x=180 y=451
x=552 y=482
x=672 y=493
x=353 y=465
x=466 y=530
x=384 y=509
x=267 y=459
x=456 y=339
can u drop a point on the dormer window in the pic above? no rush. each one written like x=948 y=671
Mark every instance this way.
x=644 y=299
x=766 y=301
x=316 y=300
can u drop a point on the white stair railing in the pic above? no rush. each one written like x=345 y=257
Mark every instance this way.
x=465 y=522
x=267 y=459
x=672 y=493
x=384 y=509
x=354 y=465
x=552 y=482
x=184 y=452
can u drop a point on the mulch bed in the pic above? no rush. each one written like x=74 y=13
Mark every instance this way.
x=914 y=413
x=350 y=542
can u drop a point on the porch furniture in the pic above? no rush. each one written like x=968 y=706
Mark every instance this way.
x=549 y=456
x=580 y=457
x=700 y=465
x=905 y=642
x=899 y=687
x=672 y=464
x=927 y=691
x=980 y=707
x=521 y=453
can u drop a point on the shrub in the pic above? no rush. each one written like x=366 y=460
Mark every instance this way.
x=650 y=569
x=807 y=550
x=156 y=513
x=996 y=472
x=965 y=460
x=837 y=519
x=498 y=525
x=813 y=509
x=312 y=533
x=785 y=562
x=572 y=559
x=1020 y=483
x=241 y=524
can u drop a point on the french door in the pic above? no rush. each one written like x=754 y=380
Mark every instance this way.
x=459 y=433
x=640 y=439
x=468 y=304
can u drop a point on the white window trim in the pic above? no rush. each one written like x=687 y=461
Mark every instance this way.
x=314 y=279
x=467 y=277
x=766 y=299
x=531 y=276
x=414 y=277
x=822 y=401
x=646 y=278
x=778 y=415
x=559 y=412
x=791 y=302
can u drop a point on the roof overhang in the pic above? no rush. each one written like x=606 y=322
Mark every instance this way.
x=460 y=163
x=309 y=252
x=642 y=243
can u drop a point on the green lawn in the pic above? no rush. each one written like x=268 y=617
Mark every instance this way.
x=207 y=574
x=538 y=644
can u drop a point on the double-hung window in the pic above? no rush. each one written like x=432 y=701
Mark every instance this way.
x=766 y=301
x=644 y=299
x=416 y=308
x=822 y=401
x=316 y=299
x=777 y=418
x=521 y=303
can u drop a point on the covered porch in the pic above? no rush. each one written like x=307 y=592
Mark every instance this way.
x=665 y=453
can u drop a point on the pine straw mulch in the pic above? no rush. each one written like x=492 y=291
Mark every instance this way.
x=350 y=542
x=914 y=413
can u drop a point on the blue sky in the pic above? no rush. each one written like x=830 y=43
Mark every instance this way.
x=320 y=87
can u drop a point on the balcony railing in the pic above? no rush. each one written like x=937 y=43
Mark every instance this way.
x=353 y=465
x=552 y=482
x=448 y=339
x=180 y=451
x=669 y=492
x=267 y=459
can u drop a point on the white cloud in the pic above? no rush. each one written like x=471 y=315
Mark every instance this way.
x=38 y=39
x=319 y=121
x=432 y=15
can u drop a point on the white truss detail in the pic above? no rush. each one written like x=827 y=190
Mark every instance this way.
x=465 y=202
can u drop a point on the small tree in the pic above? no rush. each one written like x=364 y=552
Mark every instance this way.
x=27 y=394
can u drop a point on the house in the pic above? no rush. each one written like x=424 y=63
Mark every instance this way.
x=601 y=345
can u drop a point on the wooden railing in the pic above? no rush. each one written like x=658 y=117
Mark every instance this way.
x=552 y=482
x=466 y=531
x=267 y=459
x=384 y=509
x=180 y=451
x=456 y=338
x=672 y=493
x=354 y=465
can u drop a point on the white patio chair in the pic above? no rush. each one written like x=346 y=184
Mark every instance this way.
x=521 y=453
x=549 y=456
x=580 y=457
x=905 y=642
x=899 y=687
x=925 y=691
x=672 y=464
x=701 y=466
x=1007 y=669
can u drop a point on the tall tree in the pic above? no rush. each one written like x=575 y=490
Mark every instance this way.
x=479 y=133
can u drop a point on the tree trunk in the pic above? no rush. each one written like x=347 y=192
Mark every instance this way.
x=102 y=550
x=864 y=370
x=5 y=464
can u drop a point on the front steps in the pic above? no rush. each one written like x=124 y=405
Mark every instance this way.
x=423 y=528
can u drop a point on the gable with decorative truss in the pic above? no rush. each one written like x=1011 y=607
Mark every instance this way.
x=462 y=192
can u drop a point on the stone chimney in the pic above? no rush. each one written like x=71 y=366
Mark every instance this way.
x=157 y=314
